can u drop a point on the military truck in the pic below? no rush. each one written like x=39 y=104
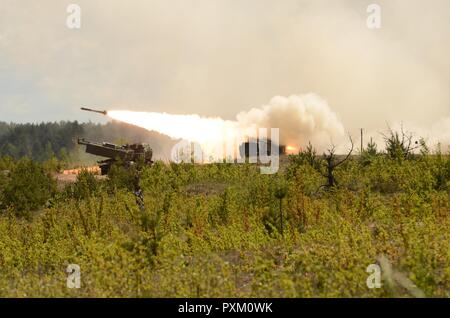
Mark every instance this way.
x=128 y=154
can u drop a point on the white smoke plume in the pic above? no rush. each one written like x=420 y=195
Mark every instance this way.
x=300 y=119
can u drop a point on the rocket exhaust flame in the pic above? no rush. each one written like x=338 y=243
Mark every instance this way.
x=211 y=134
x=190 y=127
x=291 y=149
x=300 y=119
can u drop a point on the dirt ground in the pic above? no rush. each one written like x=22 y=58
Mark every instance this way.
x=70 y=176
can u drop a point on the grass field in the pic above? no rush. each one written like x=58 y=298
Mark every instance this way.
x=225 y=230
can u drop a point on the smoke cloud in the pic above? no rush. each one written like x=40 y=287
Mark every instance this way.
x=300 y=119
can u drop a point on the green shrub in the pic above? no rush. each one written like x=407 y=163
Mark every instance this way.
x=29 y=188
x=85 y=186
x=223 y=239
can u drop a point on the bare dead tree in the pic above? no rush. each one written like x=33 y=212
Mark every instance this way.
x=400 y=145
x=332 y=163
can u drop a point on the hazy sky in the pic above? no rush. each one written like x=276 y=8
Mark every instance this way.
x=220 y=57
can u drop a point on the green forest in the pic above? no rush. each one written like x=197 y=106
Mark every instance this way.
x=224 y=230
x=58 y=140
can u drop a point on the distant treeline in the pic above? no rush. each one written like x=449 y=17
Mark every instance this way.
x=45 y=141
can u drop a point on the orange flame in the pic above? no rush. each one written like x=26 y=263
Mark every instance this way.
x=291 y=149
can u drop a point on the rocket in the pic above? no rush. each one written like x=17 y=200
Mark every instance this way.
x=103 y=112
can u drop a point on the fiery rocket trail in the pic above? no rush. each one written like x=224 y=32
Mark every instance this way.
x=189 y=127
x=300 y=119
